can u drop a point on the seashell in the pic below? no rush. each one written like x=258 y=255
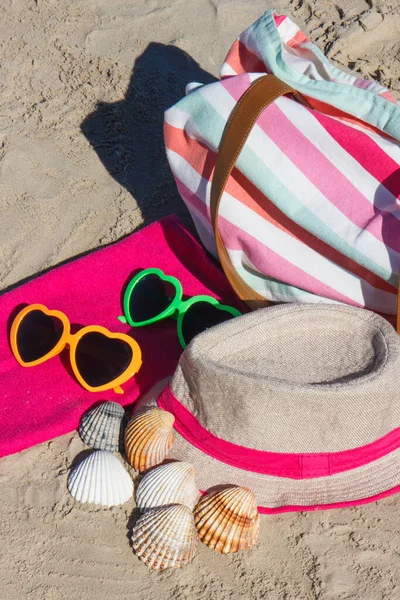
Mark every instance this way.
x=228 y=520
x=165 y=537
x=101 y=479
x=148 y=438
x=101 y=426
x=173 y=483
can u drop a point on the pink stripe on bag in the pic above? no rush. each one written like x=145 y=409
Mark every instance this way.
x=328 y=179
x=264 y=259
x=279 y=19
x=294 y=466
x=336 y=188
x=202 y=160
x=365 y=151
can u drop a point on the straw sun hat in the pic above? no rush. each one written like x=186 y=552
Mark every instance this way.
x=298 y=402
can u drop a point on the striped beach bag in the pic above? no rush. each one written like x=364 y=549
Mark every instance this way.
x=290 y=170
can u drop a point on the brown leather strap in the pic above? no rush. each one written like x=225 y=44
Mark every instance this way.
x=258 y=96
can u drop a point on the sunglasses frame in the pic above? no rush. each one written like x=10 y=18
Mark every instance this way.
x=178 y=307
x=71 y=340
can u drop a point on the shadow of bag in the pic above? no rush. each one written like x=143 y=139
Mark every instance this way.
x=290 y=169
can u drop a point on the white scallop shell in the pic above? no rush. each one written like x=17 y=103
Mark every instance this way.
x=101 y=479
x=101 y=426
x=173 y=483
x=165 y=537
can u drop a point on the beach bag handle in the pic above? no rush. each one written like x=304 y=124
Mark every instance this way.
x=262 y=92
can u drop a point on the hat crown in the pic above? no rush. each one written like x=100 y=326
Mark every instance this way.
x=294 y=378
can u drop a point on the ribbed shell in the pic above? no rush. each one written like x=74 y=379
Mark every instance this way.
x=101 y=479
x=101 y=426
x=165 y=537
x=173 y=483
x=148 y=438
x=228 y=520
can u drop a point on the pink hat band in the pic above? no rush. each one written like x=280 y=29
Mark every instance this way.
x=296 y=466
x=298 y=402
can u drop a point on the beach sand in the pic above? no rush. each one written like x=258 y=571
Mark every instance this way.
x=83 y=88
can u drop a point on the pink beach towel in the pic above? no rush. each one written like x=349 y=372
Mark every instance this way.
x=39 y=403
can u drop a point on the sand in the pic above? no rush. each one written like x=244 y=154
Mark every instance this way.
x=84 y=85
x=55 y=548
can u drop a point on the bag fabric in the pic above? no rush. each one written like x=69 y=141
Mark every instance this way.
x=297 y=402
x=39 y=403
x=310 y=212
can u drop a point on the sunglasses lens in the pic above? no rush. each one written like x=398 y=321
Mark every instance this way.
x=101 y=359
x=150 y=297
x=201 y=316
x=37 y=335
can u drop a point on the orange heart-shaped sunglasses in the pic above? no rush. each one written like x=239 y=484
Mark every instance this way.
x=100 y=360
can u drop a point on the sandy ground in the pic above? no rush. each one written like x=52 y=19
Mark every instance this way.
x=55 y=548
x=84 y=85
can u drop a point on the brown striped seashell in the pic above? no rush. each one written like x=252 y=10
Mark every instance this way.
x=173 y=483
x=228 y=520
x=148 y=438
x=165 y=537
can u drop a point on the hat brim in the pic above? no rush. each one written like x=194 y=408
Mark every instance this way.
x=367 y=483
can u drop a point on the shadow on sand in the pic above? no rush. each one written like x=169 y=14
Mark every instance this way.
x=128 y=135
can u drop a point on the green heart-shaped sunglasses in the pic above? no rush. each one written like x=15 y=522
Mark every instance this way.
x=152 y=296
